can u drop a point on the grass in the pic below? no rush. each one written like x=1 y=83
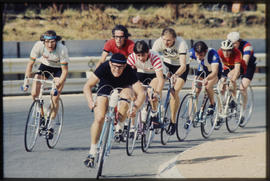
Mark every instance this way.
x=97 y=24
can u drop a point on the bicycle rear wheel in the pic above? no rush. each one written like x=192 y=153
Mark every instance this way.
x=166 y=122
x=184 y=117
x=148 y=132
x=55 y=126
x=249 y=107
x=234 y=114
x=102 y=148
x=208 y=120
x=132 y=136
x=32 y=126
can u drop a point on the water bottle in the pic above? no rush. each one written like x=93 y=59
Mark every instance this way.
x=144 y=114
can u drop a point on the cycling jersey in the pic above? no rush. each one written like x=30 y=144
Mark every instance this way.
x=247 y=49
x=152 y=64
x=171 y=54
x=52 y=59
x=235 y=57
x=110 y=47
x=126 y=79
x=211 y=57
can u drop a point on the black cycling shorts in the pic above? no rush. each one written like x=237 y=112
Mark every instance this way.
x=225 y=72
x=56 y=72
x=174 y=68
x=145 y=78
x=250 y=70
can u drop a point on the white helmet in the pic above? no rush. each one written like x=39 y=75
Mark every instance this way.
x=233 y=36
x=226 y=45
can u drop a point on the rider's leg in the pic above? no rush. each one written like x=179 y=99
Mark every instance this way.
x=243 y=87
x=96 y=128
x=55 y=100
x=36 y=87
x=210 y=90
x=154 y=103
x=174 y=101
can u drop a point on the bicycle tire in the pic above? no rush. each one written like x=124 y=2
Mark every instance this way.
x=183 y=117
x=164 y=136
x=131 y=141
x=249 y=107
x=234 y=114
x=147 y=134
x=56 y=125
x=33 y=117
x=102 y=148
x=209 y=121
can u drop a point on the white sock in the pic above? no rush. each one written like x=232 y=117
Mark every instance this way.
x=120 y=125
x=93 y=149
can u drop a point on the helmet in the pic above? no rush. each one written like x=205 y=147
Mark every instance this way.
x=233 y=36
x=227 y=45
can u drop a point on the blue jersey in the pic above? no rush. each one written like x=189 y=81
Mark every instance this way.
x=211 y=57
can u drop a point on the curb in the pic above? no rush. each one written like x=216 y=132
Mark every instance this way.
x=169 y=169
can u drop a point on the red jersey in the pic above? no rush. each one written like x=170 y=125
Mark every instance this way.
x=236 y=57
x=110 y=46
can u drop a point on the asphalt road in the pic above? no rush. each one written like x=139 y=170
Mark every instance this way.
x=66 y=160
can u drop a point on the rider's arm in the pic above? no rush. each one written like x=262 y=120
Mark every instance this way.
x=64 y=74
x=29 y=67
x=87 y=89
x=214 y=72
x=161 y=81
x=102 y=59
x=246 y=58
x=236 y=71
x=182 y=68
x=140 y=95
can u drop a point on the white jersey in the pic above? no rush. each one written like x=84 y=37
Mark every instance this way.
x=171 y=55
x=52 y=59
x=152 y=64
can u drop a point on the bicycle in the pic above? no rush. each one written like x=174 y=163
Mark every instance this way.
x=107 y=134
x=230 y=108
x=38 y=122
x=188 y=113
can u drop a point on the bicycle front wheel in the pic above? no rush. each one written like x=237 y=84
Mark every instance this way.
x=234 y=114
x=132 y=135
x=249 y=108
x=184 y=117
x=209 y=120
x=55 y=126
x=103 y=147
x=166 y=122
x=32 y=126
x=148 y=133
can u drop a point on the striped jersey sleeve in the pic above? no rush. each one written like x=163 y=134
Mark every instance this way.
x=155 y=60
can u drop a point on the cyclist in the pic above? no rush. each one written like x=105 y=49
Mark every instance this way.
x=149 y=70
x=54 y=58
x=209 y=62
x=233 y=64
x=115 y=73
x=118 y=44
x=247 y=52
x=174 y=51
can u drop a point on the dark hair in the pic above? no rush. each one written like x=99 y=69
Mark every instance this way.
x=50 y=34
x=141 y=47
x=169 y=30
x=118 y=58
x=200 y=47
x=121 y=28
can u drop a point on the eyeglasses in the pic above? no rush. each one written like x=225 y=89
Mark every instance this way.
x=50 y=41
x=118 y=37
x=121 y=67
